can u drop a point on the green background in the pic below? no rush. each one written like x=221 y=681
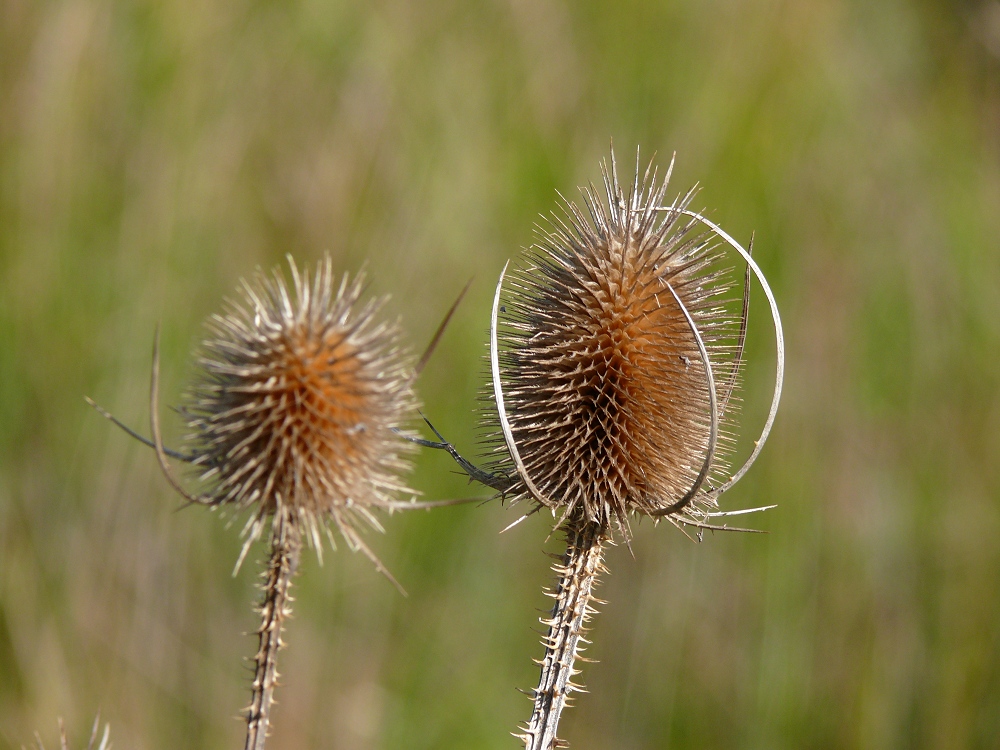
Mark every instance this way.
x=153 y=153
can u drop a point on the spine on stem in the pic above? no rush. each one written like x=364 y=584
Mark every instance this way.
x=578 y=572
x=275 y=606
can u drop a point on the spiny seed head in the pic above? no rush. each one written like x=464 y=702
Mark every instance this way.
x=298 y=402
x=606 y=390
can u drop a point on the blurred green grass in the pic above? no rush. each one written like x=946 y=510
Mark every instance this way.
x=153 y=153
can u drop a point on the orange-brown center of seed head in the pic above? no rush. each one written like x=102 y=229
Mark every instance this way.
x=327 y=398
x=608 y=395
x=314 y=420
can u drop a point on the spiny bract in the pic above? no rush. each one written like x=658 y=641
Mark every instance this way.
x=605 y=386
x=298 y=403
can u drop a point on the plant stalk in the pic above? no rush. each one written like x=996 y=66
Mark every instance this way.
x=578 y=571
x=275 y=606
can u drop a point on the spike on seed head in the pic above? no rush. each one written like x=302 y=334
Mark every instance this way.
x=614 y=335
x=298 y=402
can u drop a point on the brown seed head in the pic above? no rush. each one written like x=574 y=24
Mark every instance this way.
x=604 y=382
x=298 y=402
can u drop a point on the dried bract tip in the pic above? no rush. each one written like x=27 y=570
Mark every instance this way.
x=616 y=359
x=93 y=744
x=298 y=404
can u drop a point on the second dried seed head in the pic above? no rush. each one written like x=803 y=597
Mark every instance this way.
x=298 y=403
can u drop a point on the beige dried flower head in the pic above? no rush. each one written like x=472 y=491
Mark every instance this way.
x=299 y=401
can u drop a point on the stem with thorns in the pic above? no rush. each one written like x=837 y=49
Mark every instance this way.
x=578 y=572
x=286 y=544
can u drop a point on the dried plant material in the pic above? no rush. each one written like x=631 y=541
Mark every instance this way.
x=614 y=368
x=616 y=340
x=92 y=744
x=298 y=415
x=577 y=574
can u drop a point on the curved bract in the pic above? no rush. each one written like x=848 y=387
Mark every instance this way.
x=508 y=436
x=779 y=338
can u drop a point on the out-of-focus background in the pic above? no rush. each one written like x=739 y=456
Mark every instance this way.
x=152 y=153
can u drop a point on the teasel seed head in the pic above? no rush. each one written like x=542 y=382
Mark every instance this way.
x=299 y=405
x=617 y=359
x=613 y=390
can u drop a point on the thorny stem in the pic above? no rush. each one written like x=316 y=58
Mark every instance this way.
x=578 y=572
x=286 y=544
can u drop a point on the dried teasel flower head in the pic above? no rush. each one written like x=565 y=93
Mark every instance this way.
x=616 y=360
x=298 y=404
x=297 y=414
x=613 y=375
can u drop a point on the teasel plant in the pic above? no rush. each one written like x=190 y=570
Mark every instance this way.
x=614 y=371
x=298 y=418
